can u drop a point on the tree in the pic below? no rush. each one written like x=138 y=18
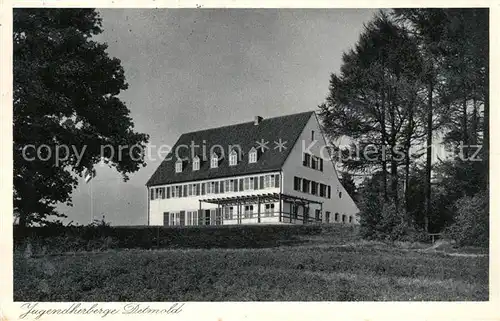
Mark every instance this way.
x=65 y=95
x=373 y=100
x=348 y=182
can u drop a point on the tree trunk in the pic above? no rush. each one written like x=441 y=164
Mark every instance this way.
x=394 y=165
x=474 y=121
x=465 y=133
x=384 y=140
x=407 y=162
x=428 y=163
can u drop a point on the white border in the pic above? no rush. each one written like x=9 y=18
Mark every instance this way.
x=253 y=311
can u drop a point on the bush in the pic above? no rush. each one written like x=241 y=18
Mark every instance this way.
x=471 y=221
x=381 y=221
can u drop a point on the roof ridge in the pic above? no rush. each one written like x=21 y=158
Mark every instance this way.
x=247 y=122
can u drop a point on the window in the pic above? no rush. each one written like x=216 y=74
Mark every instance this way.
x=297 y=183
x=228 y=213
x=343 y=218
x=248 y=183
x=229 y=185
x=214 y=161
x=175 y=191
x=190 y=190
x=350 y=219
x=340 y=194
x=233 y=158
x=318 y=215
x=305 y=185
x=178 y=218
x=329 y=191
x=312 y=161
x=172 y=219
x=192 y=218
x=152 y=194
x=327 y=217
x=196 y=163
x=195 y=217
x=210 y=187
x=269 y=210
x=248 y=211
x=268 y=181
x=314 y=188
x=336 y=217
x=315 y=162
x=178 y=166
x=312 y=134
x=252 y=155
x=307 y=160
x=322 y=190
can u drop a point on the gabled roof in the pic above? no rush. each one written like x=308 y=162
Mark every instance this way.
x=246 y=135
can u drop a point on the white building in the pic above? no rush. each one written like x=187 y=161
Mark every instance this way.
x=268 y=171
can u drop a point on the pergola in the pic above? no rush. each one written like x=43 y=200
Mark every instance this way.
x=242 y=200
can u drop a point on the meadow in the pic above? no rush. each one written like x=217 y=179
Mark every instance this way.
x=320 y=267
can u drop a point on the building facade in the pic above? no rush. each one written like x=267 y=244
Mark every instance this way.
x=269 y=171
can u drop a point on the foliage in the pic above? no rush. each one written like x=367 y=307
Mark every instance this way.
x=65 y=94
x=60 y=239
x=471 y=226
x=382 y=220
x=348 y=183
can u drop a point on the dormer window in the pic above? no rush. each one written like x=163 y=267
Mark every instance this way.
x=196 y=163
x=214 y=161
x=178 y=166
x=252 y=155
x=233 y=158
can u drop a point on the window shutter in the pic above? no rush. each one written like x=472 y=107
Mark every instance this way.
x=255 y=182
x=202 y=188
x=222 y=186
x=235 y=188
x=152 y=194
x=183 y=218
x=185 y=193
x=241 y=184
x=261 y=182
x=216 y=187
x=197 y=186
x=168 y=192
x=277 y=180
x=329 y=191
x=321 y=164
x=163 y=192
x=166 y=216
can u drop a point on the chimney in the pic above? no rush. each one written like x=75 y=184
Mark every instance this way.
x=257 y=120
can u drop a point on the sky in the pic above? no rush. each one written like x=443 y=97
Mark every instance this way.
x=191 y=69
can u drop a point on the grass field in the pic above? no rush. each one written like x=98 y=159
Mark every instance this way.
x=317 y=270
